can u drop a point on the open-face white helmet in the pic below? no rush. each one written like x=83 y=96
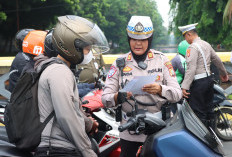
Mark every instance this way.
x=140 y=27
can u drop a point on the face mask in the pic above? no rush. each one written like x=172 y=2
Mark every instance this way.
x=87 y=58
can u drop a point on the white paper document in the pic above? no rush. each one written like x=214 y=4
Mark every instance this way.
x=136 y=84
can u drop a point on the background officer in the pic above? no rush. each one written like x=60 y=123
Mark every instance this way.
x=198 y=77
x=94 y=65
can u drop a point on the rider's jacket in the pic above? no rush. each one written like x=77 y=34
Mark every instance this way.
x=157 y=63
x=57 y=91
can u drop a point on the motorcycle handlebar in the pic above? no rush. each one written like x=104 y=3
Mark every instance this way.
x=125 y=126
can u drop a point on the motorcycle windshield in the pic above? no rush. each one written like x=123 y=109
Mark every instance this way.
x=196 y=127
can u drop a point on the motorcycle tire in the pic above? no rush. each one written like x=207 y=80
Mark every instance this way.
x=222 y=128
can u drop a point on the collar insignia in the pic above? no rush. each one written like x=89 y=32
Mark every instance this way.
x=129 y=57
x=188 y=52
x=150 y=55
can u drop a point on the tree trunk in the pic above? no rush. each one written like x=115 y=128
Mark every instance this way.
x=10 y=48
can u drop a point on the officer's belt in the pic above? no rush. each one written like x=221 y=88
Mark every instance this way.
x=200 y=76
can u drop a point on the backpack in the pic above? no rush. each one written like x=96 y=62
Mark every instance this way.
x=21 y=116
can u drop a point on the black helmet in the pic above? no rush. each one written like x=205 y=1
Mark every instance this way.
x=19 y=37
x=49 y=49
x=73 y=33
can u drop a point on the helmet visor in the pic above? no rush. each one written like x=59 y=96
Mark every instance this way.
x=97 y=40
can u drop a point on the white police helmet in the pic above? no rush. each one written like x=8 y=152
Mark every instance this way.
x=140 y=27
x=185 y=29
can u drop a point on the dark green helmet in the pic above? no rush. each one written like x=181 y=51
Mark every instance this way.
x=182 y=47
x=73 y=33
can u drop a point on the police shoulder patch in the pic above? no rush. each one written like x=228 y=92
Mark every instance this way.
x=112 y=71
x=172 y=73
x=188 y=52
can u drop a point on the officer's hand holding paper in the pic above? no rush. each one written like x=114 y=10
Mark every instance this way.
x=137 y=84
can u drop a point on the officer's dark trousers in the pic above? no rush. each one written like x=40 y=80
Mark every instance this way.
x=201 y=99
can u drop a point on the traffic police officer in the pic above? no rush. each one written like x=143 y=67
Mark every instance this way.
x=96 y=63
x=141 y=61
x=198 y=78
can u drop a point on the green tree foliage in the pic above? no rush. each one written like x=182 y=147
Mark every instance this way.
x=112 y=17
x=119 y=14
x=209 y=16
x=2 y=15
x=94 y=10
x=37 y=14
x=227 y=13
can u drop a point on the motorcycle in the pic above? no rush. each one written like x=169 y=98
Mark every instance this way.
x=223 y=113
x=182 y=135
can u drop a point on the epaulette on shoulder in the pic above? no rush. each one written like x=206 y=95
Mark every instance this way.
x=193 y=46
x=157 y=52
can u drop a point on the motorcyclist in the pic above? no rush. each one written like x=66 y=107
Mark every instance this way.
x=179 y=61
x=49 y=48
x=66 y=133
x=141 y=61
x=33 y=45
x=20 y=59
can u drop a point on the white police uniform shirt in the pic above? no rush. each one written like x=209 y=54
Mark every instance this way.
x=195 y=61
x=157 y=63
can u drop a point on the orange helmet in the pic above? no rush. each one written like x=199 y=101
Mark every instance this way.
x=33 y=43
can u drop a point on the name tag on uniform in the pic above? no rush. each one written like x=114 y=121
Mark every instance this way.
x=96 y=65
